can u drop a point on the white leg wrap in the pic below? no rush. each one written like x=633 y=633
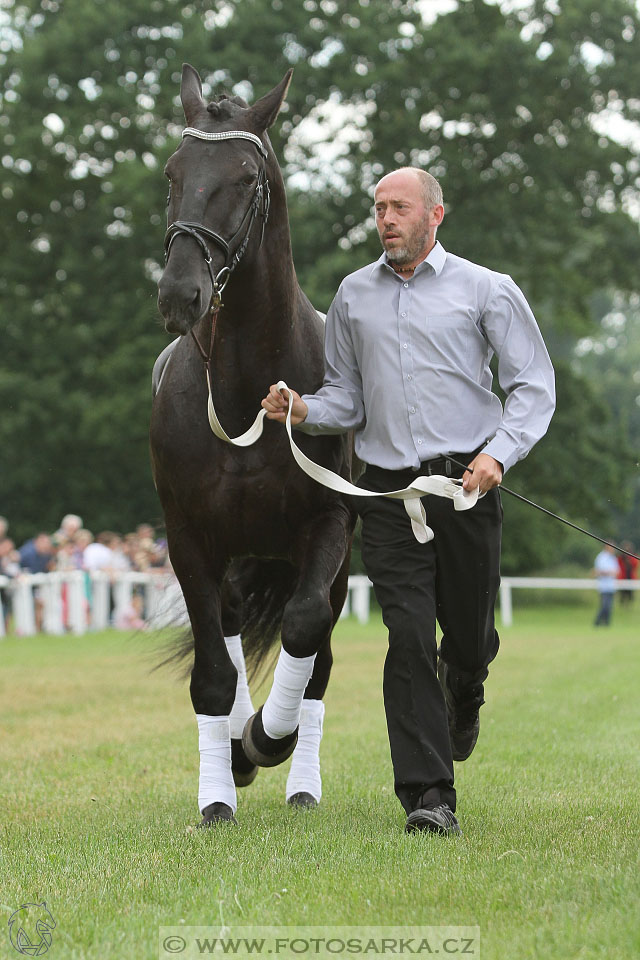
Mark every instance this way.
x=216 y=780
x=304 y=774
x=242 y=706
x=281 y=712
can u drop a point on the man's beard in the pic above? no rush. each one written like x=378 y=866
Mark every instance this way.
x=414 y=244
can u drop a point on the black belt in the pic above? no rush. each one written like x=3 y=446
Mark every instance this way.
x=442 y=466
x=439 y=466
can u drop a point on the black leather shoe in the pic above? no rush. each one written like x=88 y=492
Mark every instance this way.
x=433 y=818
x=462 y=713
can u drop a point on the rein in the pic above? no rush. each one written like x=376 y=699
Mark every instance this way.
x=440 y=486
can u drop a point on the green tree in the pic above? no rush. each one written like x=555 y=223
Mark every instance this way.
x=610 y=360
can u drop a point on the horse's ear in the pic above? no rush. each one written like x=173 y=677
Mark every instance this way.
x=190 y=92
x=265 y=110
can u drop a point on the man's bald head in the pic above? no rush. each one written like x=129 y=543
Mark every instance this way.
x=430 y=188
x=409 y=210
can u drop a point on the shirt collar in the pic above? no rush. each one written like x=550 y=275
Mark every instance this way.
x=435 y=259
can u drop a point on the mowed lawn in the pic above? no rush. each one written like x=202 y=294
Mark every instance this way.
x=99 y=783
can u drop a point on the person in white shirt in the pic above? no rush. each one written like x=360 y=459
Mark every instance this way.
x=605 y=568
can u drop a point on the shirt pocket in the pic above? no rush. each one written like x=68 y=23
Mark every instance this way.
x=448 y=340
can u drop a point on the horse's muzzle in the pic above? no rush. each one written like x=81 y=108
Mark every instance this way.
x=181 y=304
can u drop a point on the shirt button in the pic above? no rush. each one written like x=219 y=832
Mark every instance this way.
x=409 y=377
x=405 y=284
x=404 y=346
x=412 y=409
x=419 y=442
x=403 y=314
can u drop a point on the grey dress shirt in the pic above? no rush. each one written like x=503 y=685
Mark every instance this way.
x=407 y=364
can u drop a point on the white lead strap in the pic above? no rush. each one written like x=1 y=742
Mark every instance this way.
x=440 y=486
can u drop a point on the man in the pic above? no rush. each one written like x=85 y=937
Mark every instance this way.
x=605 y=568
x=36 y=555
x=408 y=344
x=69 y=526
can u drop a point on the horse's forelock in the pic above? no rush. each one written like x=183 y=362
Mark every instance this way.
x=223 y=107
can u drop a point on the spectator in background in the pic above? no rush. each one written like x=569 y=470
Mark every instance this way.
x=69 y=527
x=119 y=559
x=627 y=570
x=81 y=541
x=144 y=531
x=98 y=555
x=36 y=555
x=130 y=615
x=606 y=570
x=4 y=528
x=10 y=568
x=9 y=558
x=65 y=555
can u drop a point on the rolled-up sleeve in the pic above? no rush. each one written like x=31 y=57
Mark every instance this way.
x=338 y=405
x=525 y=373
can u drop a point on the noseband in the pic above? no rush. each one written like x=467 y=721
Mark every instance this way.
x=259 y=206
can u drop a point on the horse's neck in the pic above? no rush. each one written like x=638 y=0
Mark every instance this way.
x=257 y=329
x=261 y=299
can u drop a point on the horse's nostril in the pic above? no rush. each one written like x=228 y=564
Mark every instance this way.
x=177 y=295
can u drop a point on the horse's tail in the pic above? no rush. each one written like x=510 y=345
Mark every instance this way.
x=266 y=586
x=255 y=594
x=177 y=651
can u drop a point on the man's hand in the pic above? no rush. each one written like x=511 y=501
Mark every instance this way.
x=277 y=405
x=487 y=473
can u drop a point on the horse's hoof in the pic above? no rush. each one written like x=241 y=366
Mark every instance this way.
x=302 y=800
x=243 y=770
x=217 y=813
x=263 y=750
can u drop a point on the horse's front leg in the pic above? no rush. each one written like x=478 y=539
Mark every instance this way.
x=213 y=677
x=270 y=736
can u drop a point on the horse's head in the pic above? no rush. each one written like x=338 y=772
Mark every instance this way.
x=218 y=199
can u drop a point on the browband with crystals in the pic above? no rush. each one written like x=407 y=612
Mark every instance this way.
x=226 y=135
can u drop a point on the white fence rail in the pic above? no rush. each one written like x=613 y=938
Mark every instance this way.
x=75 y=602
x=508 y=584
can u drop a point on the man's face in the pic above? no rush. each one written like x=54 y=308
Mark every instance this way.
x=402 y=220
x=43 y=543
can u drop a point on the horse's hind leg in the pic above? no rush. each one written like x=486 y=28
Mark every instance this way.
x=304 y=783
x=244 y=772
x=270 y=735
x=213 y=677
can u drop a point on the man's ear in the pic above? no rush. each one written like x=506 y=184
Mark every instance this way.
x=437 y=215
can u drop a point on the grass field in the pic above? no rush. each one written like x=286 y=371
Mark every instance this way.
x=99 y=778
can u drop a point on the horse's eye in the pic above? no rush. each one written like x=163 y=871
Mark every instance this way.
x=249 y=181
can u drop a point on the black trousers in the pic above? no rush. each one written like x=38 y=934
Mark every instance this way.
x=453 y=579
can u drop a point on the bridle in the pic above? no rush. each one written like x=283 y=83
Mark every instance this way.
x=235 y=248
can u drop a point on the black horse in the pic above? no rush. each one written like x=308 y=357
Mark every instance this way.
x=259 y=549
